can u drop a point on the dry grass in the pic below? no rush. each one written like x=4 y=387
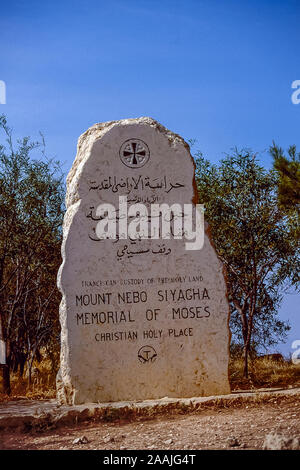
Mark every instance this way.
x=263 y=373
x=42 y=387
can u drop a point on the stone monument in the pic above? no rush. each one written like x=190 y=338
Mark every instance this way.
x=143 y=315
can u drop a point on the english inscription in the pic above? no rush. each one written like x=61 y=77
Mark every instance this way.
x=142 y=317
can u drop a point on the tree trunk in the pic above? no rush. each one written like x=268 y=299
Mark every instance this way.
x=29 y=374
x=22 y=365
x=246 y=355
x=245 y=331
x=29 y=365
x=5 y=367
x=247 y=350
x=5 y=379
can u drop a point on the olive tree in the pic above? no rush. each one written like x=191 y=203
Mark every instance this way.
x=31 y=212
x=255 y=241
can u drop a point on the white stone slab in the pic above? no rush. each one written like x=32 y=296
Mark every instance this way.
x=2 y=352
x=140 y=319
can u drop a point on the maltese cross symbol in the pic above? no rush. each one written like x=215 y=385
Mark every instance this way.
x=134 y=153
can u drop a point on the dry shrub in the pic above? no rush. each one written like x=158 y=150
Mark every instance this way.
x=263 y=372
x=42 y=387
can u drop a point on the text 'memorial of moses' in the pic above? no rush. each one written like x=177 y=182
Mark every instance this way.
x=144 y=316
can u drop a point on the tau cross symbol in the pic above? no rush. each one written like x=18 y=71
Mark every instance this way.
x=147 y=354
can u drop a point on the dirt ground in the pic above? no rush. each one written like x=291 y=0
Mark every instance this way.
x=244 y=427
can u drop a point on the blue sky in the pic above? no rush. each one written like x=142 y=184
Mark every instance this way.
x=216 y=71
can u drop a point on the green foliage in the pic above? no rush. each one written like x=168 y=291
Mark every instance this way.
x=288 y=168
x=254 y=239
x=31 y=213
x=288 y=191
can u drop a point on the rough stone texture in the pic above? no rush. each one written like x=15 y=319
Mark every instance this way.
x=44 y=414
x=192 y=359
x=279 y=442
